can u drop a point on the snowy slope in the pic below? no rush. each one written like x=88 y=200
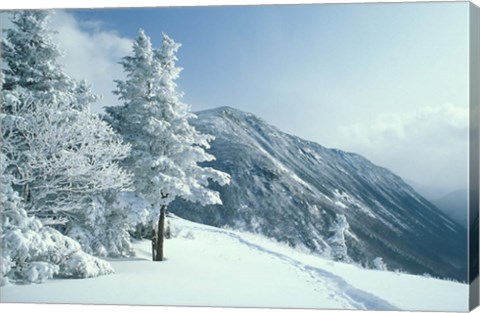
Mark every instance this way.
x=294 y=190
x=208 y=266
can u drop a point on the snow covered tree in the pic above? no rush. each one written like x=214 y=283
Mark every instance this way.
x=68 y=167
x=379 y=264
x=337 y=241
x=30 y=54
x=64 y=159
x=166 y=149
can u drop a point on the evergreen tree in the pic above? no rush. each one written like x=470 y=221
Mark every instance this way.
x=166 y=149
x=337 y=241
x=64 y=159
x=31 y=56
x=379 y=264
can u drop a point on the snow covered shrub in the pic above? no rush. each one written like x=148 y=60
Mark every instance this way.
x=32 y=252
x=106 y=232
x=138 y=213
x=83 y=265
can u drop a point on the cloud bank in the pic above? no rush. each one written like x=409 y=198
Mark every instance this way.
x=428 y=146
x=91 y=53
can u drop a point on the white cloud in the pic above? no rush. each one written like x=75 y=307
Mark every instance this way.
x=91 y=53
x=449 y=120
x=428 y=146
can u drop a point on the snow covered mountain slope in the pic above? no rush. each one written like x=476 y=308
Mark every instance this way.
x=208 y=266
x=327 y=200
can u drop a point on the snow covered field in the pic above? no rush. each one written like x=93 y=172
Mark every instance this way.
x=208 y=266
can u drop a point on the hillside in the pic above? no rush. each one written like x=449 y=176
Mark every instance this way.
x=327 y=200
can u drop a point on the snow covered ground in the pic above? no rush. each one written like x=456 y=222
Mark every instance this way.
x=208 y=266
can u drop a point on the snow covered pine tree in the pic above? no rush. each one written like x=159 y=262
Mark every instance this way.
x=338 y=241
x=166 y=149
x=62 y=158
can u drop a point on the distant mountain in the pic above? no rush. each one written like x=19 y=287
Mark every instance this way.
x=455 y=205
x=428 y=192
x=326 y=200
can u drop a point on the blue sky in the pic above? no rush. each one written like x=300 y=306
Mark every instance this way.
x=388 y=81
x=258 y=57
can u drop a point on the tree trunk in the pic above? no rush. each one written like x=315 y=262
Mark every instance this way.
x=154 y=239
x=154 y=243
x=160 y=234
x=26 y=193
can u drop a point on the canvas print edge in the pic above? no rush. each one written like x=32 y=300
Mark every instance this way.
x=473 y=163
